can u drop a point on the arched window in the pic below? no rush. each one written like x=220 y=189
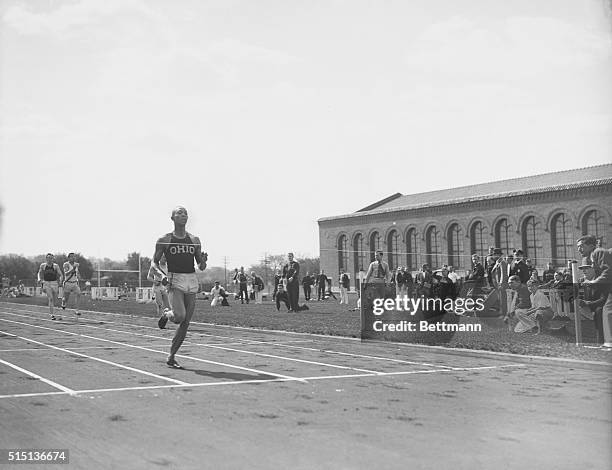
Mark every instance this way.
x=529 y=234
x=411 y=250
x=593 y=224
x=561 y=238
x=359 y=253
x=393 y=247
x=375 y=245
x=454 y=247
x=432 y=245
x=343 y=255
x=502 y=236
x=477 y=240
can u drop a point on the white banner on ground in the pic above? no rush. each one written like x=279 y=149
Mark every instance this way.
x=105 y=293
x=144 y=294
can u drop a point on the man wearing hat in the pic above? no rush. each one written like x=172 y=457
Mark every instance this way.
x=500 y=274
x=601 y=260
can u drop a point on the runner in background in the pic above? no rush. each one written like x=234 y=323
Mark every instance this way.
x=50 y=276
x=160 y=281
x=71 y=283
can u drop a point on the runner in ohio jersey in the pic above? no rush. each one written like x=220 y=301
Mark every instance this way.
x=180 y=249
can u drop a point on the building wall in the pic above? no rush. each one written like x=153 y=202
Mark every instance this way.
x=544 y=207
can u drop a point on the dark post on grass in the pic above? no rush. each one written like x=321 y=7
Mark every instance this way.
x=577 y=314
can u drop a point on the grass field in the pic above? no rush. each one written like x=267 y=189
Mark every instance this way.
x=331 y=318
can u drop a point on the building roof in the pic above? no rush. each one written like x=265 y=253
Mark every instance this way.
x=559 y=180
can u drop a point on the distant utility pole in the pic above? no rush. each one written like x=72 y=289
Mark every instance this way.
x=225 y=269
x=266 y=262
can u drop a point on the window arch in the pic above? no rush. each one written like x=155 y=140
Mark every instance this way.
x=502 y=236
x=359 y=253
x=530 y=236
x=432 y=245
x=477 y=240
x=561 y=238
x=343 y=255
x=411 y=250
x=593 y=224
x=375 y=244
x=393 y=248
x=454 y=246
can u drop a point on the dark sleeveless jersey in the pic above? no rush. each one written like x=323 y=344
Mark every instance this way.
x=50 y=273
x=180 y=253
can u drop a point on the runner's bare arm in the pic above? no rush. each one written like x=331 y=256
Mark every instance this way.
x=159 y=252
x=201 y=258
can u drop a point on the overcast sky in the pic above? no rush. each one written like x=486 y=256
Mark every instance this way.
x=263 y=116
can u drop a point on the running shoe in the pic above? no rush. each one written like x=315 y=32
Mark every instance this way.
x=162 y=321
x=172 y=363
x=77 y=313
x=53 y=317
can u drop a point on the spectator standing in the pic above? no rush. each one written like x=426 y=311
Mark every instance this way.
x=243 y=281
x=291 y=273
x=601 y=260
x=321 y=285
x=345 y=284
x=307 y=286
x=424 y=281
x=500 y=277
x=258 y=287
x=519 y=268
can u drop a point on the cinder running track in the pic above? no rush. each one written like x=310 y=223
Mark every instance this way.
x=257 y=399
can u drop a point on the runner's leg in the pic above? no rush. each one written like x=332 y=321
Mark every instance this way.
x=181 y=331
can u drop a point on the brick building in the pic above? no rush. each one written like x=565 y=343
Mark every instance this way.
x=542 y=214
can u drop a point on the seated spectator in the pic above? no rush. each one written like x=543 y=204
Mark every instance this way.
x=520 y=307
x=534 y=276
x=541 y=311
x=560 y=291
x=218 y=295
x=283 y=296
x=453 y=276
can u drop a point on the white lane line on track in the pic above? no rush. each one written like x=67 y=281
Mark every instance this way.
x=212 y=384
x=402 y=361
x=67 y=390
x=224 y=348
x=103 y=361
x=232 y=366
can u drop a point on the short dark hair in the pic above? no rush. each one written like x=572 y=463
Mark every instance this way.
x=587 y=240
x=71 y=254
x=49 y=254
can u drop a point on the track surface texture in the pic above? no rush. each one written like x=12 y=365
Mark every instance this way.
x=256 y=399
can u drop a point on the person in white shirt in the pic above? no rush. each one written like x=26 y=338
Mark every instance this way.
x=452 y=275
x=71 y=283
x=217 y=294
x=540 y=310
x=160 y=280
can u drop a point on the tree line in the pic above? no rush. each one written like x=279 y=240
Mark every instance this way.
x=20 y=268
